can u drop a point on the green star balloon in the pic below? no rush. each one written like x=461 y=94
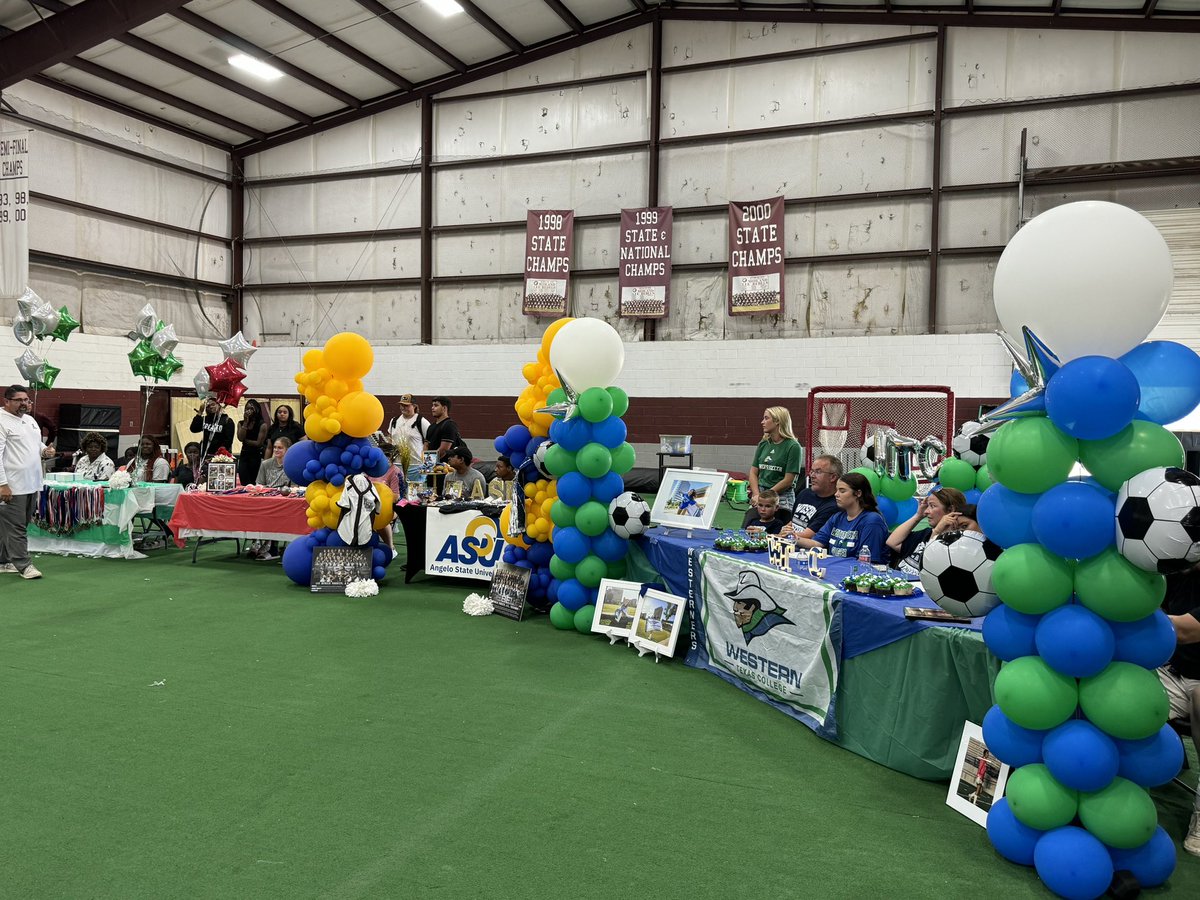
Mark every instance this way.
x=142 y=359
x=164 y=369
x=66 y=324
x=46 y=375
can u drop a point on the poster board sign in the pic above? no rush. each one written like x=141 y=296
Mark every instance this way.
x=222 y=476
x=14 y=214
x=644 y=273
x=510 y=584
x=464 y=544
x=756 y=256
x=549 y=234
x=335 y=567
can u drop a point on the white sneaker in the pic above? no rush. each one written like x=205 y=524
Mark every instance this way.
x=6 y=568
x=30 y=572
x=1191 y=843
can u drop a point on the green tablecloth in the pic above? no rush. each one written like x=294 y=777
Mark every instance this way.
x=112 y=538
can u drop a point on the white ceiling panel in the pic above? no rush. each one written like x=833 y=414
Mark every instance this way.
x=460 y=34
x=529 y=21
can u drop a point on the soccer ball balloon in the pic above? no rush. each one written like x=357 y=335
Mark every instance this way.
x=956 y=572
x=539 y=458
x=969 y=446
x=1158 y=520
x=867 y=454
x=628 y=515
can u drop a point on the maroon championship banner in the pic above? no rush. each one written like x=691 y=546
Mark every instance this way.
x=756 y=256
x=548 y=238
x=644 y=276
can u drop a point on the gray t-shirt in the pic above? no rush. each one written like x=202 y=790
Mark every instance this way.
x=468 y=480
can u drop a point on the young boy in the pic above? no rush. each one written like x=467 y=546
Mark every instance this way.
x=767 y=505
x=501 y=487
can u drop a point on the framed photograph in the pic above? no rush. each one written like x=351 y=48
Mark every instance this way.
x=453 y=490
x=923 y=614
x=657 y=622
x=616 y=606
x=428 y=462
x=413 y=494
x=510 y=584
x=222 y=476
x=688 y=498
x=978 y=779
x=335 y=567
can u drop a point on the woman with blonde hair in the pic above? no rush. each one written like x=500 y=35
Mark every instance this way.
x=777 y=458
x=940 y=509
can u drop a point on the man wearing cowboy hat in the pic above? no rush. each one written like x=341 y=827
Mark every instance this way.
x=754 y=610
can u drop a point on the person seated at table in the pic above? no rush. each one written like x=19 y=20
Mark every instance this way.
x=188 y=472
x=908 y=544
x=92 y=462
x=501 y=487
x=459 y=459
x=149 y=465
x=856 y=524
x=129 y=456
x=768 y=516
x=1180 y=677
x=816 y=503
x=271 y=474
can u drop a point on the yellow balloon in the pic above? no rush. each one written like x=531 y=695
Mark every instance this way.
x=530 y=490
x=320 y=503
x=336 y=389
x=530 y=372
x=313 y=359
x=383 y=518
x=546 y=504
x=314 y=522
x=548 y=337
x=314 y=429
x=349 y=355
x=361 y=414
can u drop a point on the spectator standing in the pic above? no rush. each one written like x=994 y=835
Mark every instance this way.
x=284 y=424
x=777 y=458
x=443 y=434
x=21 y=453
x=409 y=429
x=252 y=432
x=216 y=428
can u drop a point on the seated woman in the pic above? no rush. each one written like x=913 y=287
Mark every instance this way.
x=91 y=462
x=149 y=464
x=271 y=474
x=907 y=544
x=856 y=524
x=188 y=472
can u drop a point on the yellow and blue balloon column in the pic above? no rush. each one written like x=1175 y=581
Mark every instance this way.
x=338 y=419
x=1080 y=713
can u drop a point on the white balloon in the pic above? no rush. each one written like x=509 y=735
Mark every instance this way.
x=587 y=353
x=1089 y=278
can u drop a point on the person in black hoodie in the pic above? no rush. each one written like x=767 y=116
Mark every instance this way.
x=216 y=428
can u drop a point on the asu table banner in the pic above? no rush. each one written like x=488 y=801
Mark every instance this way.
x=14 y=214
x=755 y=256
x=549 y=234
x=462 y=545
x=644 y=276
x=768 y=633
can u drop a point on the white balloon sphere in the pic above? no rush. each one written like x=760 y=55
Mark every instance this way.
x=588 y=353
x=1089 y=278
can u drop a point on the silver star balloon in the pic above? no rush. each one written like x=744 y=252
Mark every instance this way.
x=23 y=329
x=568 y=409
x=1037 y=363
x=29 y=364
x=164 y=341
x=203 y=383
x=144 y=324
x=41 y=316
x=238 y=349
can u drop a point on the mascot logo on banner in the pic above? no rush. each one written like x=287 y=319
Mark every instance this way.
x=480 y=545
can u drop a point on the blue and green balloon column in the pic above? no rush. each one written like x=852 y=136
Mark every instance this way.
x=1080 y=714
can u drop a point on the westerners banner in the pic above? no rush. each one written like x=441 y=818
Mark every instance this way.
x=549 y=235
x=756 y=256
x=14 y=214
x=644 y=277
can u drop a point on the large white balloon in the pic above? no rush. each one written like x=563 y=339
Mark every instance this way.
x=587 y=353
x=1090 y=278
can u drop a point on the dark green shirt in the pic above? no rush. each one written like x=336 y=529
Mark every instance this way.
x=773 y=461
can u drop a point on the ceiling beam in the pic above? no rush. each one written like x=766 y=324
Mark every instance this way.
x=59 y=37
x=414 y=34
x=1148 y=9
x=491 y=25
x=568 y=17
x=640 y=5
x=275 y=8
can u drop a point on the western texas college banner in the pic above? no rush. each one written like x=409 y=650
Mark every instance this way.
x=755 y=256
x=14 y=214
x=549 y=234
x=644 y=276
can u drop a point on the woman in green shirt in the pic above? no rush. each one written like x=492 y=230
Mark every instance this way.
x=777 y=459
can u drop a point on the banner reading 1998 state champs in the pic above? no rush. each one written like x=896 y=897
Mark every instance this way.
x=644 y=276
x=756 y=256
x=549 y=234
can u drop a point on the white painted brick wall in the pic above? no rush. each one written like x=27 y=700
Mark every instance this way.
x=100 y=362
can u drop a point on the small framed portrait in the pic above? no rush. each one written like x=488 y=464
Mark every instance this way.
x=428 y=462
x=978 y=779
x=335 y=567
x=616 y=606
x=510 y=585
x=222 y=476
x=452 y=490
x=413 y=492
x=688 y=498
x=657 y=622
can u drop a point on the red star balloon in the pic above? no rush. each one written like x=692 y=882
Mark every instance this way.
x=225 y=382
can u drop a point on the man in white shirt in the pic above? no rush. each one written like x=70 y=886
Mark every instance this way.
x=409 y=428
x=21 y=454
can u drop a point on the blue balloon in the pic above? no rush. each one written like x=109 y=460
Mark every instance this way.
x=574 y=489
x=501 y=445
x=609 y=546
x=333 y=539
x=297 y=562
x=298 y=460
x=539 y=553
x=340 y=440
x=1148 y=642
x=571 y=545
x=321 y=534
x=379 y=556
x=1009 y=634
x=379 y=467
x=523 y=564
x=534 y=443
x=1080 y=755
x=329 y=455
x=1075 y=641
x=517 y=437
x=905 y=509
x=1152 y=863
x=572 y=594
x=508 y=555
x=574 y=434
x=552 y=590
x=607 y=487
x=378 y=572
x=556 y=429
x=1169 y=376
x=610 y=433
x=312 y=468
x=1092 y=397
x=973 y=495
x=888 y=509
x=1012 y=744
x=1152 y=761
x=1073 y=863
x=1017 y=384
x=331 y=470
x=1012 y=838
x=516 y=459
x=1074 y=520
x=338 y=480
x=1006 y=516
x=347 y=458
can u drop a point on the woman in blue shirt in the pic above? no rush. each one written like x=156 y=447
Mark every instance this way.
x=857 y=522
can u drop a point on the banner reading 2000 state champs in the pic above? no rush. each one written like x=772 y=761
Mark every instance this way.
x=755 y=256
x=644 y=276
x=548 y=237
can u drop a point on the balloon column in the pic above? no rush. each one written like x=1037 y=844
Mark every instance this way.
x=338 y=419
x=1080 y=714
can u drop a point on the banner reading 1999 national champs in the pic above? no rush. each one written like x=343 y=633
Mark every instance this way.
x=644 y=276
x=549 y=234
x=755 y=256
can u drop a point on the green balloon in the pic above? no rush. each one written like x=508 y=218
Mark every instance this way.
x=898 y=488
x=142 y=359
x=1111 y=586
x=556 y=396
x=872 y=476
x=562 y=515
x=594 y=460
x=983 y=478
x=561 y=569
x=1125 y=701
x=595 y=404
x=583 y=619
x=1121 y=814
x=1138 y=446
x=559 y=461
x=1033 y=695
x=1031 y=579
x=620 y=401
x=591 y=570
x=623 y=458
x=592 y=518
x=1038 y=800
x=616 y=569
x=561 y=617
x=66 y=324
x=1031 y=455
x=166 y=367
x=957 y=474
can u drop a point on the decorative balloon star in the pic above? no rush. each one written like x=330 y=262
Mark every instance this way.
x=35 y=370
x=238 y=349
x=144 y=324
x=164 y=340
x=42 y=318
x=567 y=409
x=66 y=324
x=203 y=384
x=142 y=359
x=1037 y=364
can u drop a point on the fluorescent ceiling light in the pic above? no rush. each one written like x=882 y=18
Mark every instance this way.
x=445 y=7
x=255 y=67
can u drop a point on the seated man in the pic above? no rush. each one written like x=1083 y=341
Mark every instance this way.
x=501 y=487
x=815 y=504
x=1181 y=676
x=459 y=459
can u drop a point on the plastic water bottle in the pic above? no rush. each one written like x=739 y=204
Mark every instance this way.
x=864 y=555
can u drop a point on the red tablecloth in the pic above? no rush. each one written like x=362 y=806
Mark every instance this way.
x=238 y=515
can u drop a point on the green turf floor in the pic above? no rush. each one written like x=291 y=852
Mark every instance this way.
x=170 y=730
